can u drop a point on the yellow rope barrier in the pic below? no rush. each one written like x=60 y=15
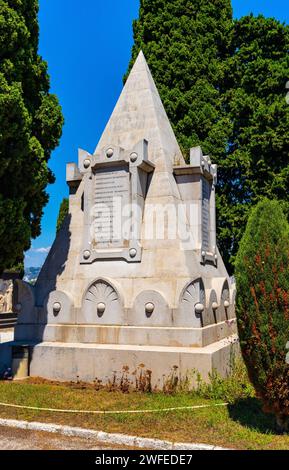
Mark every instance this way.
x=111 y=412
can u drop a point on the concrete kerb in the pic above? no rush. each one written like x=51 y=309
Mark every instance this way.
x=106 y=438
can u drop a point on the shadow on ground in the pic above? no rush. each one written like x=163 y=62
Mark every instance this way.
x=249 y=413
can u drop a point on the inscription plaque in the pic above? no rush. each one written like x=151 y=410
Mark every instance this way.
x=111 y=197
x=113 y=203
x=206 y=194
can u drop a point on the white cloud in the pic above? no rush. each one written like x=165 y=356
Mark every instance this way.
x=41 y=250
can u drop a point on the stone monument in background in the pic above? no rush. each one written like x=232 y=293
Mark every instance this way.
x=6 y=296
x=134 y=284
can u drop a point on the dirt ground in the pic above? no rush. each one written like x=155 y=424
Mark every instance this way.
x=18 y=439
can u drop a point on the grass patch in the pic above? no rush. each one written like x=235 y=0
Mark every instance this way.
x=240 y=425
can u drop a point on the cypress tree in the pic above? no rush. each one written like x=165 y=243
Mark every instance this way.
x=30 y=127
x=262 y=276
x=223 y=86
x=256 y=163
x=63 y=211
x=185 y=43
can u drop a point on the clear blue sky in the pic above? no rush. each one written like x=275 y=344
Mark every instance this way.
x=87 y=45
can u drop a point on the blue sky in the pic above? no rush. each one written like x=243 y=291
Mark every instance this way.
x=87 y=46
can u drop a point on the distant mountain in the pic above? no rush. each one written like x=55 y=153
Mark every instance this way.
x=31 y=274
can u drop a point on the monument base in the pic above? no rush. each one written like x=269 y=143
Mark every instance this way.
x=132 y=335
x=139 y=367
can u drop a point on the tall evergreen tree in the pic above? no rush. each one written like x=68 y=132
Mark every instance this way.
x=223 y=86
x=62 y=214
x=30 y=127
x=256 y=162
x=185 y=43
x=262 y=268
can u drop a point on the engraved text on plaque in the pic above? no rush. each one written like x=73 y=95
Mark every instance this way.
x=111 y=197
x=206 y=193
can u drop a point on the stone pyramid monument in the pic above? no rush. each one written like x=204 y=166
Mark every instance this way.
x=134 y=284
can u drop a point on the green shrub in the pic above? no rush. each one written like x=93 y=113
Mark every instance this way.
x=230 y=389
x=262 y=276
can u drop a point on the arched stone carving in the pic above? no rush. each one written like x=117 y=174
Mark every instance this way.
x=59 y=308
x=225 y=300
x=102 y=304
x=193 y=298
x=150 y=309
x=212 y=307
x=221 y=286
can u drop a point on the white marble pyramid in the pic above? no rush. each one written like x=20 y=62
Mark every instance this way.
x=157 y=296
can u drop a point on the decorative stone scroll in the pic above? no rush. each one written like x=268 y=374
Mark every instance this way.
x=115 y=188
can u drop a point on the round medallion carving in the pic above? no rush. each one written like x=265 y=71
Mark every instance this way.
x=56 y=308
x=132 y=253
x=149 y=308
x=199 y=308
x=86 y=254
x=101 y=308
x=133 y=157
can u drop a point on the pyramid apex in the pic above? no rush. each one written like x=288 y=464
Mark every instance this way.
x=141 y=54
x=139 y=114
x=140 y=65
